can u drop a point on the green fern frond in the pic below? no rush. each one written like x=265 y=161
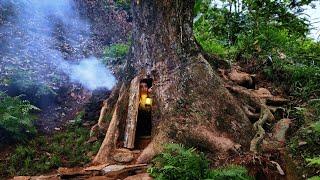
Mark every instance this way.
x=16 y=116
x=313 y=161
x=314 y=178
x=230 y=172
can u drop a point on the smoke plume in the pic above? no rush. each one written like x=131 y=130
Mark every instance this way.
x=45 y=39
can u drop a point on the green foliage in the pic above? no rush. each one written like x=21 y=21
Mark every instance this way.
x=314 y=178
x=123 y=4
x=312 y=140
x=25 y=160
x=23 y=82
x=299 y=70
x=78 y=119
x=309 y=136
x=42 y=154
x=118 y=50
x=16 y=117
x=229 y=172
x=256 y=30
x=115 y=53
x=177 y=162
x=316 y=127
x=314 y=161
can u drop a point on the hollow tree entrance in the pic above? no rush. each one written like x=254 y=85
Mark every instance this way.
x=144 y=124
x=139 y=121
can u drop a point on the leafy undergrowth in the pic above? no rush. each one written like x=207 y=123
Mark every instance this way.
x=279 y=52
x=177 y=162
x=45 y=153
x=16 y=118
x=115 y=53
x=305 y=144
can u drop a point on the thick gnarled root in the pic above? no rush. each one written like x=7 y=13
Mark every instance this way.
x=265 y=116
x=199 y=135
x=253 y=99
x=101 y=126
x=110 y=140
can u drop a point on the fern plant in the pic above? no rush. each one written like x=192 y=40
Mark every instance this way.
x=16 y=117
x=229 y=172
x=177 y=162
x=313 y=161
x=314 y=178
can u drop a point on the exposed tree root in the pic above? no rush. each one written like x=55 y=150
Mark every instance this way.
x=101 y=126
x=199 y=136
x=110 y=139
x=265 y=114
x=213 y=141
x=154 y=148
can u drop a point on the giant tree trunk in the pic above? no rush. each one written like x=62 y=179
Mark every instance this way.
x=192 y=105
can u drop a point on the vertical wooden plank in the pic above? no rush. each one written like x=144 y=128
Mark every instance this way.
x=133 y=106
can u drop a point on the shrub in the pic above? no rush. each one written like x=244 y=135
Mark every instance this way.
x=115 y=53
x=42 y=154
x=123 y=4
x=16 y=116
x=313 y=161
x=177 y=162
x=314 y=178
x=117 y=50
x=24 y=82
x=309 y=135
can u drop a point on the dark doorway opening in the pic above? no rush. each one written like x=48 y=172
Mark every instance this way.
x=144 y=119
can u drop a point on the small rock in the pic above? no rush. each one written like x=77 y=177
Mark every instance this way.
x=241 y=78
x=72 y=121
x=280 y=129
x=86 y=124
x=21 y=178
x=118 y=169
x=113 y=168
x=309 y=131
x=96 y=168
x=57 y=129
x=301 y=143
x=123 y=157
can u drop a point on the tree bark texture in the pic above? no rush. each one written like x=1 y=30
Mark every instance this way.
x=192 y=106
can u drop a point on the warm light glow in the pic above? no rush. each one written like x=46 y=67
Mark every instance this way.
x=148 y=101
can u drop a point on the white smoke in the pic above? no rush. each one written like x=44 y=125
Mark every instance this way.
x=47 y=36
x=91 y=73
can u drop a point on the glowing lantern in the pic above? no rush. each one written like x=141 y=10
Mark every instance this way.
x=148 y=101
